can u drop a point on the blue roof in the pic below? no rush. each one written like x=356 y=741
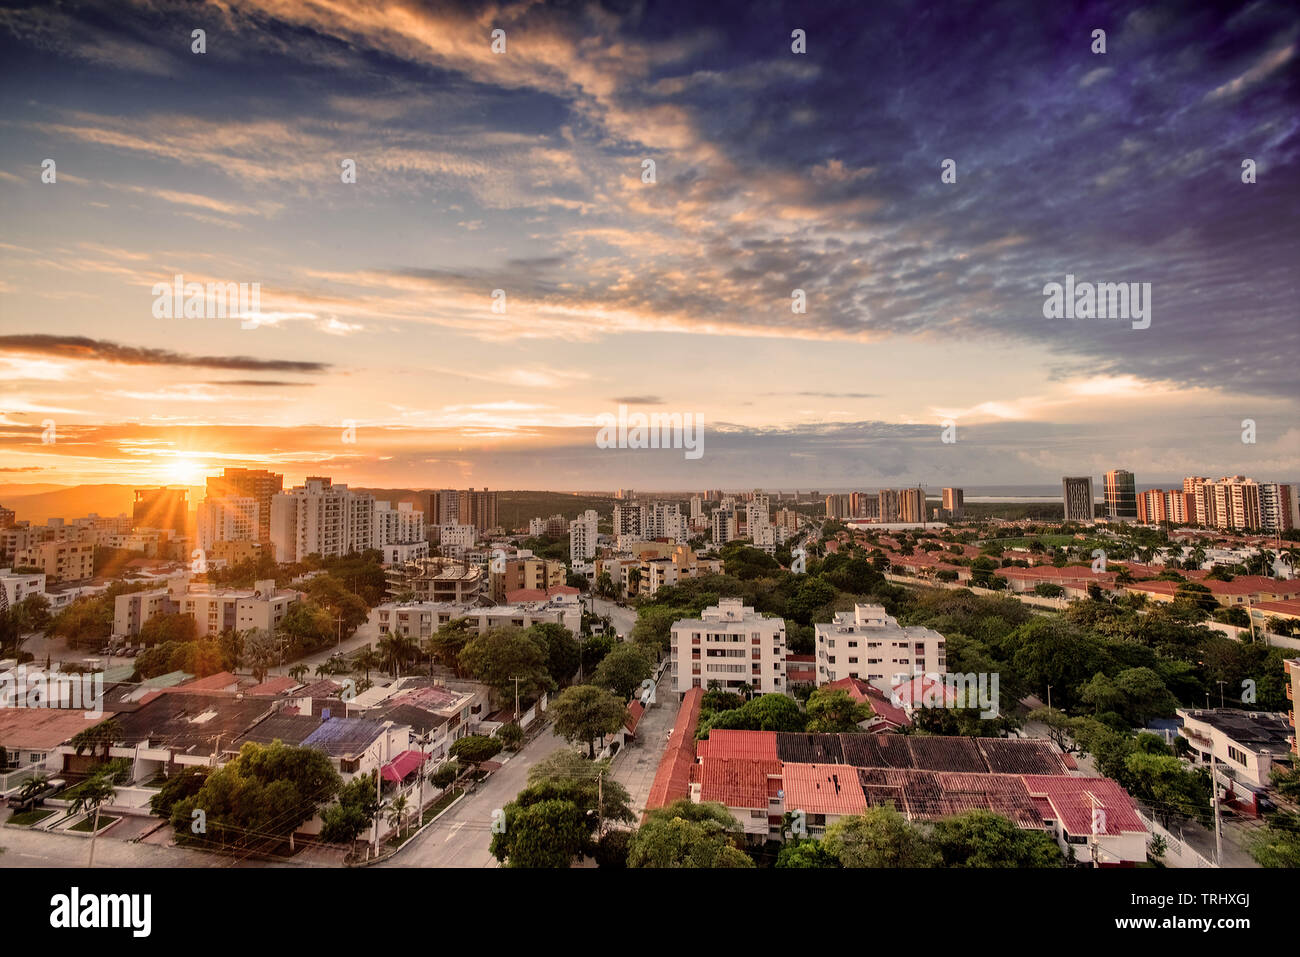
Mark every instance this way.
x=344 y=736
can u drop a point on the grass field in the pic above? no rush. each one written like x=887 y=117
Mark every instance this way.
x=28 y=818
x=88 y=822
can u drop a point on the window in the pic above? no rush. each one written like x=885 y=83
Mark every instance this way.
x=1237 y=755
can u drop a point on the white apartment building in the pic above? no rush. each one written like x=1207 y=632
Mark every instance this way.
x=629 y=521
x=424 y=618
x=323 y=519
x=213 y=609
x=725 y=525
x=227 y=519
x=732 y=645
x=665 y=520
x=402 y=525
x=697 y=508
x=455 y=539
x=867 y=643
x=15 y=587
x=583 y=532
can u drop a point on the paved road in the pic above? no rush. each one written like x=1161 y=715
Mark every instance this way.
x=24 y=848
x=635 y=766
x=460 y=837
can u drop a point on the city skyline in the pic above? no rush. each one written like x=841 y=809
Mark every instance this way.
x=378 y=358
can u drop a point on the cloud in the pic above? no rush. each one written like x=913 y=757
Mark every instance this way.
x=84 y=349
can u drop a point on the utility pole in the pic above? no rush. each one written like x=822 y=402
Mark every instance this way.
x=339 y=619
x=600 y=805
x=379 y=801
x=516 y=681
x=1221 y=684
x=1214 y=796
x=1049 y=697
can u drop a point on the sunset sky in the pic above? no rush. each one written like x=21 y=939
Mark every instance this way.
x=522 y=171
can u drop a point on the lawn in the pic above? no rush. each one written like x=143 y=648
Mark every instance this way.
x=28 y=818
x=86 y=824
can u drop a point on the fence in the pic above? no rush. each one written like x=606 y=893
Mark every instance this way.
x=1178 y=853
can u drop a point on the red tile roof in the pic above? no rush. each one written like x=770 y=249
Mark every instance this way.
x=1288 y=606
x=823 y=788
x=1073 y=799
x=276 y=685
x=221 y=681
x=740 y=783
x=753 y=745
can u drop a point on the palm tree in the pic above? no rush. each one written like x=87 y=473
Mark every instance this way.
x=104 y=734
x=93 y=793
x=397 y=813
x=365 y=660
x=324 y=669
x=298 y=671
x=32 y=787
x=395 y=650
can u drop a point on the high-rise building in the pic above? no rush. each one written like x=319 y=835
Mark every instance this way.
x=7 y=517
x=889 y=505
x=911 y=504
x=478 y=509
x=402 y=525
x=1079 y=503
x=697 y=508
x=443 y=507
x=321 y=518
x=838 y=506
x=629 y=520
x=1121 y=494
x=257 y=484
x=1276 y=506
x=724 y=524
x=1156 y=506
x=954 y=503
x=583 y=532
x=228 y=518
x=162 y=508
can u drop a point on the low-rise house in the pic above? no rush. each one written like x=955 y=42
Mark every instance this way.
x=1243 y=745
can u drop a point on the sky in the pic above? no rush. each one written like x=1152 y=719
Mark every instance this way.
x=378 y=358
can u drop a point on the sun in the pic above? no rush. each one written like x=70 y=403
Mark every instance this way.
x=184 y=471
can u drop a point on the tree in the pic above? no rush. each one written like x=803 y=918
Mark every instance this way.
x=623 y=670
x=1173 y=792
x=806 y=854
x=92 y=794
x=445 y=775
x=168 y=627
x=686 y=834
x=769 y=712
x=1278 y=844
x=258 y=800
x=502 y=655
x=298 y=672
x=562 y=653
x=833 y=711
x=511 y=735
x=397 y=813
x=354 y=811
x=449 y=641
x=475 y=749
x=260 y=651
x=396 y=650
x=105 y=734
x=307 y=627
x=366 y=660
x=585 y=713
x=879 y=837
x=545 y=834
x=176 y=788
x=983 y=839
